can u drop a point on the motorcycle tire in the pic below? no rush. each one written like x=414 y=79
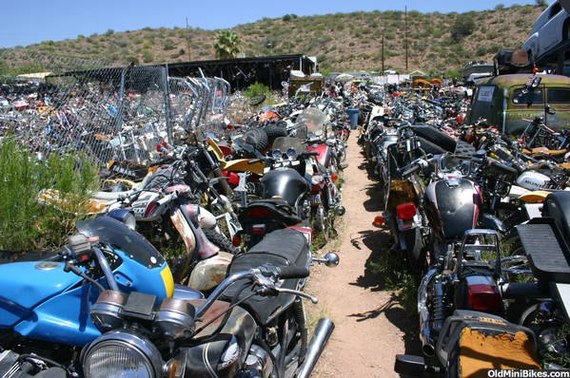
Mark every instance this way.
x=257 y=138
x=435 y=136
x=220 y=241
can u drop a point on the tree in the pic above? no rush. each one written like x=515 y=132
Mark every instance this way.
x=227 y=44
x=541 y=3
x=463 y=26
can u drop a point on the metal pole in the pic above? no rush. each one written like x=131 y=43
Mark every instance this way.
x=119 y=116
x=167 y=110
x=188 y=40
x=406 y=34
x=383 y=51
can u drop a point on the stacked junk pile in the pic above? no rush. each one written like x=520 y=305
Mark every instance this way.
x=195 y=251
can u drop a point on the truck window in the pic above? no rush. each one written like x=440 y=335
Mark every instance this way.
x=558 y=96
x=485 y=93
x=555 y=9
x=534 y=97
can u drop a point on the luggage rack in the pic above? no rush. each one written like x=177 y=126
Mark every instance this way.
x=547 y=250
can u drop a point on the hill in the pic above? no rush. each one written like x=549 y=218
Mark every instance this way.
x=340 y=41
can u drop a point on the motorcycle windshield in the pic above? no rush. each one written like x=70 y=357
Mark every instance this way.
x=314 y=120
x=119 y=236
x=283 y=144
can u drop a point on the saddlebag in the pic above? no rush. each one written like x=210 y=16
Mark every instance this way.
x=471 y=343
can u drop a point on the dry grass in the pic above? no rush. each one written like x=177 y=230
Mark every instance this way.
x=341 y=41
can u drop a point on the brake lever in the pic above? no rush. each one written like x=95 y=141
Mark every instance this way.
x=313 y=299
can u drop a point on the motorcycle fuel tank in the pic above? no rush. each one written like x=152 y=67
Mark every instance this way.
x=41 y=301
x=453 y=206
x=26 y=284
x=533 y=180
x=284 y=183
x=324 y=153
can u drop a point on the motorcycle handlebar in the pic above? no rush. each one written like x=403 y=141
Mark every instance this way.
x=406 y=171
x=515 y=290
x=311 y=153
x=415 y=166
x=267 y=271
x=287 y=272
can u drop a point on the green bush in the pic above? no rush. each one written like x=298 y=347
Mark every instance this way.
x=27 y=224
x=257 y=90
x=462 y=27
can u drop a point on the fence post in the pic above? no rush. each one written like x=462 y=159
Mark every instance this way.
x=167 y=109
x=120 y=104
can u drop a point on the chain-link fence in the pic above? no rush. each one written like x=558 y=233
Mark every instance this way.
x=111 y=113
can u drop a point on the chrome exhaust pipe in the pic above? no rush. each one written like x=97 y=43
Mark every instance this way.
x=322 y=334
x=428 y=347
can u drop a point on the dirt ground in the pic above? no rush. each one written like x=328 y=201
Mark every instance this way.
x=371 y=326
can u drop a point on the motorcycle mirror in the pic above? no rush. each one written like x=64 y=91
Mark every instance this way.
x=331 y=259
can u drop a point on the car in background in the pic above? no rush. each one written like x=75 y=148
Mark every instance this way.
x=506 y=102
x=549 y=36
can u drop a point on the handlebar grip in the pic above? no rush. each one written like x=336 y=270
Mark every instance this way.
x=287 y=272
x=408 y=171
x=529 y=290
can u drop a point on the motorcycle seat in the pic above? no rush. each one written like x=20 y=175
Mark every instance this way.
x=557 y=206
x=280 y=248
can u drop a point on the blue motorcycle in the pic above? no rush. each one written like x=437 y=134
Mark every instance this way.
x=106 y=306
x=45 y=305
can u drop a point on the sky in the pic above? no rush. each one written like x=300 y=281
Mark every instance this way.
x=35 y=21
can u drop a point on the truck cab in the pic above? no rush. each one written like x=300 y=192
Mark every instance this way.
x=548 y=40
x=505 y=103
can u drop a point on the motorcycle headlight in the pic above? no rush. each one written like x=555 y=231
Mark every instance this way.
x=292 y=154
x=121 y=354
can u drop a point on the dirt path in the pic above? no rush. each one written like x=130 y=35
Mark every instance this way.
x=371 y=328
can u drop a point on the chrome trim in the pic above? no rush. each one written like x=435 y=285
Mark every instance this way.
x=129 y=340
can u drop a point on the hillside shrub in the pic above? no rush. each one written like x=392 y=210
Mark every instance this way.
x=462 y=27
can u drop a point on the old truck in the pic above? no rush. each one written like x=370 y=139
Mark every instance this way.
x=510 y=101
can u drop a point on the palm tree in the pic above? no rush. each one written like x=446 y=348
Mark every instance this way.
x=227 y=44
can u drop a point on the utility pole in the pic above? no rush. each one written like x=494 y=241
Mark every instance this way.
x=188 y=40
x=383 y=29
x=406 y=35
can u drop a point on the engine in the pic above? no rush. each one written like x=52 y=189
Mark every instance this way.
x=257 y=364
x=14 y=365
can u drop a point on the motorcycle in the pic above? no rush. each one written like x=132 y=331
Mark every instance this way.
x=404 y=200
x=252 y=324
x=48 y=326
x=542 y=304
x=167 y=213
x=466 y=279
x=471 y=343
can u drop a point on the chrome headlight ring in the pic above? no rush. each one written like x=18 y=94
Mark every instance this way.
x=120 y=353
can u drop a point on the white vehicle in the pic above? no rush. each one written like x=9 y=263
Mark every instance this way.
x=549 y=34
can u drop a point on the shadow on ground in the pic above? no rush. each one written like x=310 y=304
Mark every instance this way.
x=406 y=322
x=380 y=242
x=377 y=241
